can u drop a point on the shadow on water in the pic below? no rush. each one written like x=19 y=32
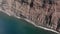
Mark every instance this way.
x=12 y=25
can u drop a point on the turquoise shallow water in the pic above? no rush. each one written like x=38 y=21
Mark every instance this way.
x=12 y=25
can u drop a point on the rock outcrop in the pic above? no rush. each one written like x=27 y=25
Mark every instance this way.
x=44 y=13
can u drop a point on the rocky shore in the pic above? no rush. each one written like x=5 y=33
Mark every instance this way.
x=44 y=13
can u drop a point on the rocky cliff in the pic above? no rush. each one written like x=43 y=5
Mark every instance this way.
x=44 y=13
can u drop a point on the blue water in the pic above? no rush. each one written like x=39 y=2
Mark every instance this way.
x=12 y=25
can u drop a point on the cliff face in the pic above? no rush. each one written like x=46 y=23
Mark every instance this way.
x=44 y=13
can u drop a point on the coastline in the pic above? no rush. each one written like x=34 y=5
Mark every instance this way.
x=37 y=25
x=30 y=22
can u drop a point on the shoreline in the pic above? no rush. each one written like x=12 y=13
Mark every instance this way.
x=37 y=25
x=30 y=22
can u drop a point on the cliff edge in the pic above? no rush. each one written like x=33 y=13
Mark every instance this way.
x=44 y=13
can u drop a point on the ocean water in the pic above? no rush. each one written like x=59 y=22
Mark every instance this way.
x=12 y=25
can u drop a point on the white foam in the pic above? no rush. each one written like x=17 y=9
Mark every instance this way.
x=31 y=22
x=40 y=26
x=5 y=12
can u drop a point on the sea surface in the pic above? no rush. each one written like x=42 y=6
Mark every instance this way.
x=12 y=25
